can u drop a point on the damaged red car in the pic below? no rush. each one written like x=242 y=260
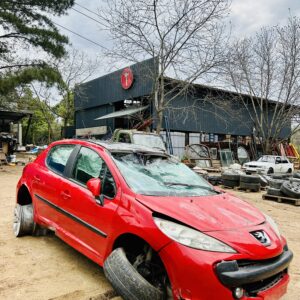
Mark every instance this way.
x=159 y=230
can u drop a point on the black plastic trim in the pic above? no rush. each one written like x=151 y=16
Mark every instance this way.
x=232 y=276
x=71 y=216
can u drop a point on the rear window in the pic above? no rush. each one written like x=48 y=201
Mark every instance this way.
x=58 y=157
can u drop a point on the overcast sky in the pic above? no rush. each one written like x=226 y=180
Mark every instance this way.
x=246 y=17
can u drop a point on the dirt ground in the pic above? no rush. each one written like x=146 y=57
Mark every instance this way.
x=40 y=268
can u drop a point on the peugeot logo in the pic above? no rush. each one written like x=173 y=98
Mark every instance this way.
x=262 y=237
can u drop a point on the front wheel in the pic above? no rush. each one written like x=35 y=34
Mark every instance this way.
x=136 y=278
x=289 y=171
x=270 y=171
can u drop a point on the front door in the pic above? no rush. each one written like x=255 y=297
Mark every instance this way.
x=88 y=221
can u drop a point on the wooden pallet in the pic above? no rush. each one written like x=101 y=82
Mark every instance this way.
x=280 y=199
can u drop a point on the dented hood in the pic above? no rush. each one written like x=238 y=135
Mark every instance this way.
x=206 y=213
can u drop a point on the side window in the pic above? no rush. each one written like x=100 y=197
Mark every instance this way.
x=90 y=165
x=58 y=157
x=124 y=138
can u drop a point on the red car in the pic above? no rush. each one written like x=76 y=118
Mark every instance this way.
x=159 y=230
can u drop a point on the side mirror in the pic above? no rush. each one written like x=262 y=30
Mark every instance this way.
x=94 y=186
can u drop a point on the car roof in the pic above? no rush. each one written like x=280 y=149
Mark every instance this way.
x=118 y=147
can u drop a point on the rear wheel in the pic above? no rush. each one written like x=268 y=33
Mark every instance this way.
x=138 y=275
x=23 y=220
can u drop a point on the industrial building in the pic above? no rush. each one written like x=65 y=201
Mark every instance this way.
x=201 y=114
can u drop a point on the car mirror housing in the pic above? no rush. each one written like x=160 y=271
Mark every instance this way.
x=94 y=186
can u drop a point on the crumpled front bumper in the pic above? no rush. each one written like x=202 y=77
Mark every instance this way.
x=233 y=275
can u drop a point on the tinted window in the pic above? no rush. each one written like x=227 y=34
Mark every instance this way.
x=58 y=157
x=90 y=165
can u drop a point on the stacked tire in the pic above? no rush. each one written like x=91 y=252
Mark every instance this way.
x=275 y=187
x=231 y=179
x=250 y=182
x=291 y=189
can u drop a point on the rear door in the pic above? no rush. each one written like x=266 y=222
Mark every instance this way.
x=47 y=180
x=87 y=221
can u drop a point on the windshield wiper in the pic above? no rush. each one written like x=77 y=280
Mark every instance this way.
x=190 y=185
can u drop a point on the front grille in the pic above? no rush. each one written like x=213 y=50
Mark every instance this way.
x=253 y=288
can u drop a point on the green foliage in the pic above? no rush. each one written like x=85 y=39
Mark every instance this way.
x=42 y=73
x=26 y=26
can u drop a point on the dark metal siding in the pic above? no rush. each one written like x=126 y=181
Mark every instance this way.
x=108 y=89
x=86 y=118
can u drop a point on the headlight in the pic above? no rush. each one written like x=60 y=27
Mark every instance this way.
x=191 y=237
x=273 y=224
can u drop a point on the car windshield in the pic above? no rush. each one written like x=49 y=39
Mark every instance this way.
x=148 y=140
x=160 y=176
x=267 y=158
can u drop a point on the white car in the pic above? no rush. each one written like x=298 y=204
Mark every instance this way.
x=269 y=164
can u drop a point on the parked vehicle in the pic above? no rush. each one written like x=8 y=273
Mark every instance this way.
x=159 y=230
x=144 y=138
x=269 y=164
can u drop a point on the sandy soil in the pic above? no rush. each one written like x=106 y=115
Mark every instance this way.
x=40 y=268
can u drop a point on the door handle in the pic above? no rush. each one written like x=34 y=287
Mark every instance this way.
x=65 y=195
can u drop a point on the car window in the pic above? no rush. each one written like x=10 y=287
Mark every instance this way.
x=284 y=160
x=90 y=165
x=124 y=138
x=58 y=157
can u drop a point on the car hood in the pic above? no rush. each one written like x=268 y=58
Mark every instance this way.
x=206 y=213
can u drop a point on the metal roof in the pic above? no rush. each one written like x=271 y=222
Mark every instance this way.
x=13 y=116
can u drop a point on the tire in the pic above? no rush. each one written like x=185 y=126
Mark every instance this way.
x=270 y=171
x=291 y=189
x=230 y=183
x=276 y=183
x=231 y=176
x=263 y=181
x=250 y=179
x=23 y=220
x=296 y=175
x=289 y=171
x=274 y=192
x=126 y=280
x=278 y=176
x=250 y=186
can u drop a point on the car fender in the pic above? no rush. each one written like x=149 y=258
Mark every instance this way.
x=136 y=219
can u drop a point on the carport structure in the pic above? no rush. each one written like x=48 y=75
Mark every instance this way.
x=7 y=117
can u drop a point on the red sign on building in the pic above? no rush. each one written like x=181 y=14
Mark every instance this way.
x=126 y=78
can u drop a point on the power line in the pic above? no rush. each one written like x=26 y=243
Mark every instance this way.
x=87 y=39
x=87 y=9
x=87 y=16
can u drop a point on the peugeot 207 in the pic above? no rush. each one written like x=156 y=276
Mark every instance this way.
x=158 y=229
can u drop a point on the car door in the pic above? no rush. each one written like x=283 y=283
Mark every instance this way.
x=47 y=180
x=86 y=220
x=278 y=164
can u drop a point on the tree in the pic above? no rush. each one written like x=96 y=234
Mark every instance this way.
x=75 y=68
x=183 y=36
x=25 y=27
x=267 y=68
